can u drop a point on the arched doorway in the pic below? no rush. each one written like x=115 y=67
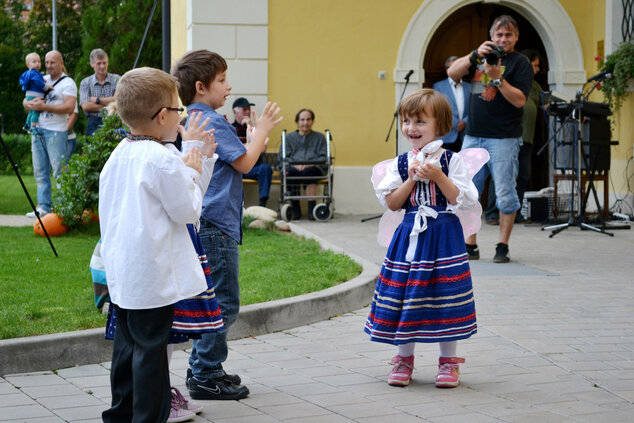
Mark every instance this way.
x=547 y=18
x=467 y=28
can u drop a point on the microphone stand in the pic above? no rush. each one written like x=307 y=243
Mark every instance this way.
x=387 y=137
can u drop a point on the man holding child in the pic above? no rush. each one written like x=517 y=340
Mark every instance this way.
x=49 y=144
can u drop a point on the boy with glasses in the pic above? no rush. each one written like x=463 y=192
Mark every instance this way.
x=146 y=197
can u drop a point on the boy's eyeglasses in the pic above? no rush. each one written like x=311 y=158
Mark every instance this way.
x=174 y=109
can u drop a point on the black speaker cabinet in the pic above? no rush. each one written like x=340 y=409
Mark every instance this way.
x=595 y=141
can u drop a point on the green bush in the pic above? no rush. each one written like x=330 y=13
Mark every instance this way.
x=621 y=64
x=19 y=146
x=79 y=182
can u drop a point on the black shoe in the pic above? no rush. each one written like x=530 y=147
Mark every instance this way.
x=501 y=253
x=263 y=201
x=233 y=379
x=311 y=206
x=216 y=389
x=472 y=251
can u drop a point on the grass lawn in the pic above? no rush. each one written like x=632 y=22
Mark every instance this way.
x=42 y=294
x=12 y=197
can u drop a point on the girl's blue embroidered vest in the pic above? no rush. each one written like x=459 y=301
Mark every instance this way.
x=429 y=193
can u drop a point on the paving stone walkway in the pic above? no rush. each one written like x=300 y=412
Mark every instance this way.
x=555 y=344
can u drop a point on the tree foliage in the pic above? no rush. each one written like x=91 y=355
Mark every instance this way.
x=12 y=52
x=117 y=26
x=39 y=32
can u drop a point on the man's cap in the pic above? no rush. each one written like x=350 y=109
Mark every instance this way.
x=241 y=102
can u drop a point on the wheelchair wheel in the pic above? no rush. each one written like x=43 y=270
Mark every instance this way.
x=286 y=211
x=322 y=212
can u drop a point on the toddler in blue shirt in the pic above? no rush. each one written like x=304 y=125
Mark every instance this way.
x=32 y=82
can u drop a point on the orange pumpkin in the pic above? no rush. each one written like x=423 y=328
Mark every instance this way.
x=53 y=223
x=89 y=217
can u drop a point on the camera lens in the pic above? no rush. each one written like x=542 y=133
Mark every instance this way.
x=494 y=55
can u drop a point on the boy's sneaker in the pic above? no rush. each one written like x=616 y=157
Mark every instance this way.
x=234 y=379
x=473 y=252
x=402 y=371
x=216 y=389
x=40 y=211
x=178 y=414
x=448 y=372
x=501 y=253
x=184 y=404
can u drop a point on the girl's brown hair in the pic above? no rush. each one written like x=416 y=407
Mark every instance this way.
x=432 y=103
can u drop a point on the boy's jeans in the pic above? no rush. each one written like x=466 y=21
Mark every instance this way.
x=49 y=150
x=209 y=352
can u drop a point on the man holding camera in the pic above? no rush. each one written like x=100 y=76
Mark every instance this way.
x=501 y=82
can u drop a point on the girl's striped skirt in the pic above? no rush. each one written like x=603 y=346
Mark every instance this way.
x=429 y=299
x=192 y=316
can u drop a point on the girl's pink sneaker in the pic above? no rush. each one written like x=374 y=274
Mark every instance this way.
x=183 y=404
x=448 y=372
x=402 y=371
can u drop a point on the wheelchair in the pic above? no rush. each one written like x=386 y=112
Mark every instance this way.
x=322 y=211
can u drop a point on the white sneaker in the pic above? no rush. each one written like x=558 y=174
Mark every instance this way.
x=40 y=211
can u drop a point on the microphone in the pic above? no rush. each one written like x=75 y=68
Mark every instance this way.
x=410 y=73
x=601 y=75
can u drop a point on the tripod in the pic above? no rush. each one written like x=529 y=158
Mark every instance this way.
x=577 y=145
x=26 y=192
x=389 y=131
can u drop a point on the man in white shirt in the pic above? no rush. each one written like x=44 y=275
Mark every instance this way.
x=457 y=92
x=49 y=145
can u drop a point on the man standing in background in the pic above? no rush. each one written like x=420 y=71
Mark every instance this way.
x=501 y=83
x=457 y=93
x=97 y=91
x=261 y=172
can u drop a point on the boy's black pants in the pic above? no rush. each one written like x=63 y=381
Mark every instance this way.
x=139 y=375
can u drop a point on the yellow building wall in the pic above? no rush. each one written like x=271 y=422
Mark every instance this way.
x=325 y=55
x=178 y=26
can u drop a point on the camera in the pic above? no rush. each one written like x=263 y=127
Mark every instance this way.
x=496 y=54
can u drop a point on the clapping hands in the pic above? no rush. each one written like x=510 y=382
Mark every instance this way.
x=197 y=131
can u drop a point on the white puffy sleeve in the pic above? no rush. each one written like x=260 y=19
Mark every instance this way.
x=459 y=175
x=391 y=181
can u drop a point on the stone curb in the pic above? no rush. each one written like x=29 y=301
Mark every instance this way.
x=62 y=350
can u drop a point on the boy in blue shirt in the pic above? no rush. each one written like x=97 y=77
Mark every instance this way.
x=203 y=87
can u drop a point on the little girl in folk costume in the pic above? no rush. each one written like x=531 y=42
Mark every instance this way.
x=424 y=291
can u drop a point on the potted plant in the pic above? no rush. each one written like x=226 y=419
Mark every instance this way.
x=621 y=66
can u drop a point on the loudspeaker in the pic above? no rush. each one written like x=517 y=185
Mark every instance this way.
x=595 y=135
